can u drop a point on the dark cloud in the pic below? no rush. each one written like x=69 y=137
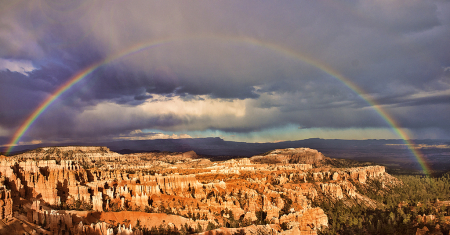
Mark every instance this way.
x=245 y=59
x=422 y=101
x=399 y=16
x=142 y=97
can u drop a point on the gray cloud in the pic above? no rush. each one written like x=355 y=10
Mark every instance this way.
x=392 y=50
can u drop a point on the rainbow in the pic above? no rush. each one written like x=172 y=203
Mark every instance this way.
x=272 y=46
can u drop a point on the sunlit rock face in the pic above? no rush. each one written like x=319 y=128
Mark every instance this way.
x=290 y=155
x=84 y=190
x=6 y=203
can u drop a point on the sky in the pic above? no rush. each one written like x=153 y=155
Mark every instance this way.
x=252 y=71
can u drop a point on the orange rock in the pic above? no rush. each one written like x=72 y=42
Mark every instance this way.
x=182 y=185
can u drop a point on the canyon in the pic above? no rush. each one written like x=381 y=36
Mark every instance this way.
x=93 y=190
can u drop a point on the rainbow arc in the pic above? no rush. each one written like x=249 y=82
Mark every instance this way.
x=272 y=46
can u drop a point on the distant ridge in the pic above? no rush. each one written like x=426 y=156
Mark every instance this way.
x=216 y=146
x=391 y=153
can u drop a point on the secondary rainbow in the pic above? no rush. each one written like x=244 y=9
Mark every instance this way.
x=272 y=46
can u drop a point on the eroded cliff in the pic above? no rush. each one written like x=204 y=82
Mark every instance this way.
x=81 y=190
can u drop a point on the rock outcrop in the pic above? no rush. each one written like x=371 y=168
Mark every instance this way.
x=6 y=203
x=291 y=156
x=84 y=190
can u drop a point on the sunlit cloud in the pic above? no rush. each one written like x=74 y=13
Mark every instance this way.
x=32 y=142
x=140 y=135
x=20 y=66
x=200 y=106
x=4 y=132
x=166 y=113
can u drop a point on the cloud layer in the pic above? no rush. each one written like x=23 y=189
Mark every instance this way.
x=234 y=68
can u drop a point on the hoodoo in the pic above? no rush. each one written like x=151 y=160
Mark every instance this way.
x=92 y=190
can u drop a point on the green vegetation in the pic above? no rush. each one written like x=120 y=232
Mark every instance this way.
x=399 y=211
x=345 y=163
x=172 y=230
x=184 y=230
x=77 y=205
x=266 y=160
x=421 y=189
x=287 y=205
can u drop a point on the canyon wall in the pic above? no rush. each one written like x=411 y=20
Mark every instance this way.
x=49 y=185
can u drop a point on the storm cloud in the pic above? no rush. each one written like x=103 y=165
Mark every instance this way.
x=232 y=67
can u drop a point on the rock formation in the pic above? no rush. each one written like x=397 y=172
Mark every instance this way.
x=6 y=203
x=83 y=190
x=291 y=155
